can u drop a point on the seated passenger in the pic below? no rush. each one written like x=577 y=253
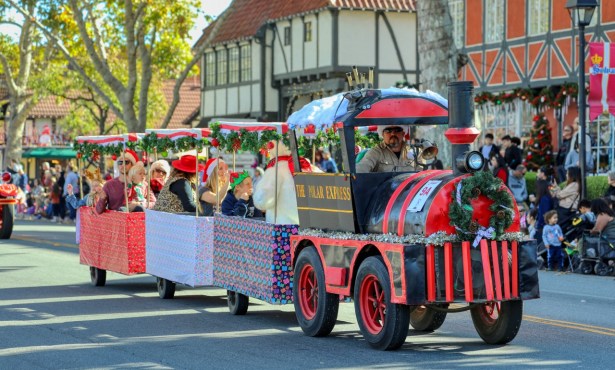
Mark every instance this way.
x=238 y=200
x=113 y=196
x=215 y=185
x=139 y=196
x=179 y=193
x=392 y=155
x=90 y=199
x=159 y=174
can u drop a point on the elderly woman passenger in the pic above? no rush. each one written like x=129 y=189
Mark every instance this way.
x=159 y=174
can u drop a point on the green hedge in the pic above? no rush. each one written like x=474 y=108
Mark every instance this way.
x=596 y=185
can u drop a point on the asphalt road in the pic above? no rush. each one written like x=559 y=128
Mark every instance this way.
x=52 y=318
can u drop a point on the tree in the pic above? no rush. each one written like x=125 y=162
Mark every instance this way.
x=539 y=148
x=128 y=44
x=21 y=63
x=438 y=60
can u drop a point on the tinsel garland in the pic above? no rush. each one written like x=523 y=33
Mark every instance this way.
x=460 y=210
x=438 y=239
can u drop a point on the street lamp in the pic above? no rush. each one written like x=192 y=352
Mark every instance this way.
x=582 y=11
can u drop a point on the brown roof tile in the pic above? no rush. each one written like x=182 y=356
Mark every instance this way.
x=189 y=102
x=243 y=18
x=49 y=107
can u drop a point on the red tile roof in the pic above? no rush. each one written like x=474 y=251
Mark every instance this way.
x=49 y=107
x=189 y=102
x=243 y=18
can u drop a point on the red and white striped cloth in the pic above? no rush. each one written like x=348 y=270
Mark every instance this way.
x=175 y=134
x=105 y=140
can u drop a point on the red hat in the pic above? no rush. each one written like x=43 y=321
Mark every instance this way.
x=131 y=155
x=6 y=177
x=210 y=165
x=187 y=164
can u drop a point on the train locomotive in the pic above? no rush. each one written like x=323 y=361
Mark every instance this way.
x=409 y=247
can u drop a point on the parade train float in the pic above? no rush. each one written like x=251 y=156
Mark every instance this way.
x=403 y=246
x=8 y=199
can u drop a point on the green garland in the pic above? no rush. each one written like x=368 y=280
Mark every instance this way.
x=90 y=150
x=152 y=143
x=481 y=183
x=243 y=139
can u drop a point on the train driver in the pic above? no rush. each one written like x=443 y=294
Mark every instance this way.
x=391 y=155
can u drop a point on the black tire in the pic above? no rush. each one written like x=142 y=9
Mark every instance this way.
x=384 y=325
x=501 y=329
x=601 y=269
x=586 y=267
x=8 y=216
x=237 y=302
x=316 y=310
x=427 y=319
x=166 y=288
x=98 y=276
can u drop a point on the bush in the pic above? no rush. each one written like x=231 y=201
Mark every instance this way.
x=596 y=186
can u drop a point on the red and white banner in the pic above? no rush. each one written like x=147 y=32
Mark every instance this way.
x=175 y=134
x=601 y=79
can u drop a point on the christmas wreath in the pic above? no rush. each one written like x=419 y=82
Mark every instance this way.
x=460 y=211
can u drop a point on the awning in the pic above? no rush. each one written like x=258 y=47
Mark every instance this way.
x=64 y=153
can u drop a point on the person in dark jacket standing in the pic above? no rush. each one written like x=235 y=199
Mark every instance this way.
x=489 y=148
x=564 y=148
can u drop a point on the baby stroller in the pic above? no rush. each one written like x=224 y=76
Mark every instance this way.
x=597 y=254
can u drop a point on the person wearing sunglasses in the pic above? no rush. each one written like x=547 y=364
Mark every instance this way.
x=159 y=174
x=113 y=196
x=391 y=155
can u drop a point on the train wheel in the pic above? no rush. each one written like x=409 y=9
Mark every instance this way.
x=498 y=322
x=237 y=302
x=384 y=325
x=6 y=223
x=427 y=319
x=166 y=288
x=316 y=310
x=98 y=276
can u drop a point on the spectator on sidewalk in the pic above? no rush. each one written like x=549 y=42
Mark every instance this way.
x=562 y=153
x=552 y=237
x=610 y=191
x=498 y=167
x=518 y=186
x=72 y=179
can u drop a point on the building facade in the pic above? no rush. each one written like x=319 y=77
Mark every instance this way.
x=523 y=58
x=267 y=58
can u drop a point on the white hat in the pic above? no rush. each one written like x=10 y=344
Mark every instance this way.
x=381 y=128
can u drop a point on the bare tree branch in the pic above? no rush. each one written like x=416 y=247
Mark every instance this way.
x=8 y=74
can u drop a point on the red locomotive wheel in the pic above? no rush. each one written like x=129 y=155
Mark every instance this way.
x=6 y=221
x=498 y=322
x=384 y=325
x=316 y=310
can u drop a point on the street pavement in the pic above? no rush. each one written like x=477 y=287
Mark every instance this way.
x=52 y=318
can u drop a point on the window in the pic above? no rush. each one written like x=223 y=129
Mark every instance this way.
x=287 y=35
x=307 y=31
x=233 y=65
x=494 y=20
x=457 y=9
x=538 y=17
x=210 y=69
x=246 y=62
x=221 y=54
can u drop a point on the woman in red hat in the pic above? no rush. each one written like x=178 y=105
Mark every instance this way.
x=179 y=192
x=216 y=184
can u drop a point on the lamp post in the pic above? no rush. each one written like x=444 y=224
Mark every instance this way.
x=583 y=11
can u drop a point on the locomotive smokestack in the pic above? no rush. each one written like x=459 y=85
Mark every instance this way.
x=461 y=132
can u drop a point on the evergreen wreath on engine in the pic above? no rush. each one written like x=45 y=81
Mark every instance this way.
x=460 y=210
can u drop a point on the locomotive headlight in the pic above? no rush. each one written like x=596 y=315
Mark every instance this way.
x=475 y=161
x=470 y=162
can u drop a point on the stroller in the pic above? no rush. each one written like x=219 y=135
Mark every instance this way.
x=597 y=254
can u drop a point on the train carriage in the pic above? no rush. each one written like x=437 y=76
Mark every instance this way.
x=407 y=245
x=179 y=247
x=112 y=241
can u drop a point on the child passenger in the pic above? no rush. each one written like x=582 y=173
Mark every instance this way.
x=552 y=236
x=238 y=200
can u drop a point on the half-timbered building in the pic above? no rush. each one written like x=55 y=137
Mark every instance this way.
x=522 y=48
x=268 y=58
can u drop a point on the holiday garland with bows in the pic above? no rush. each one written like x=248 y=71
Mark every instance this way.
x=94 y=151
x=545 y=98
x=461 y=211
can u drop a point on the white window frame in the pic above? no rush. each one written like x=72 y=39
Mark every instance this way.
x=245 y=62
x=210 y=68
x=233 y=65
x=494 y=21
x=538 y=17
x=222 y=62
x=457 y=9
